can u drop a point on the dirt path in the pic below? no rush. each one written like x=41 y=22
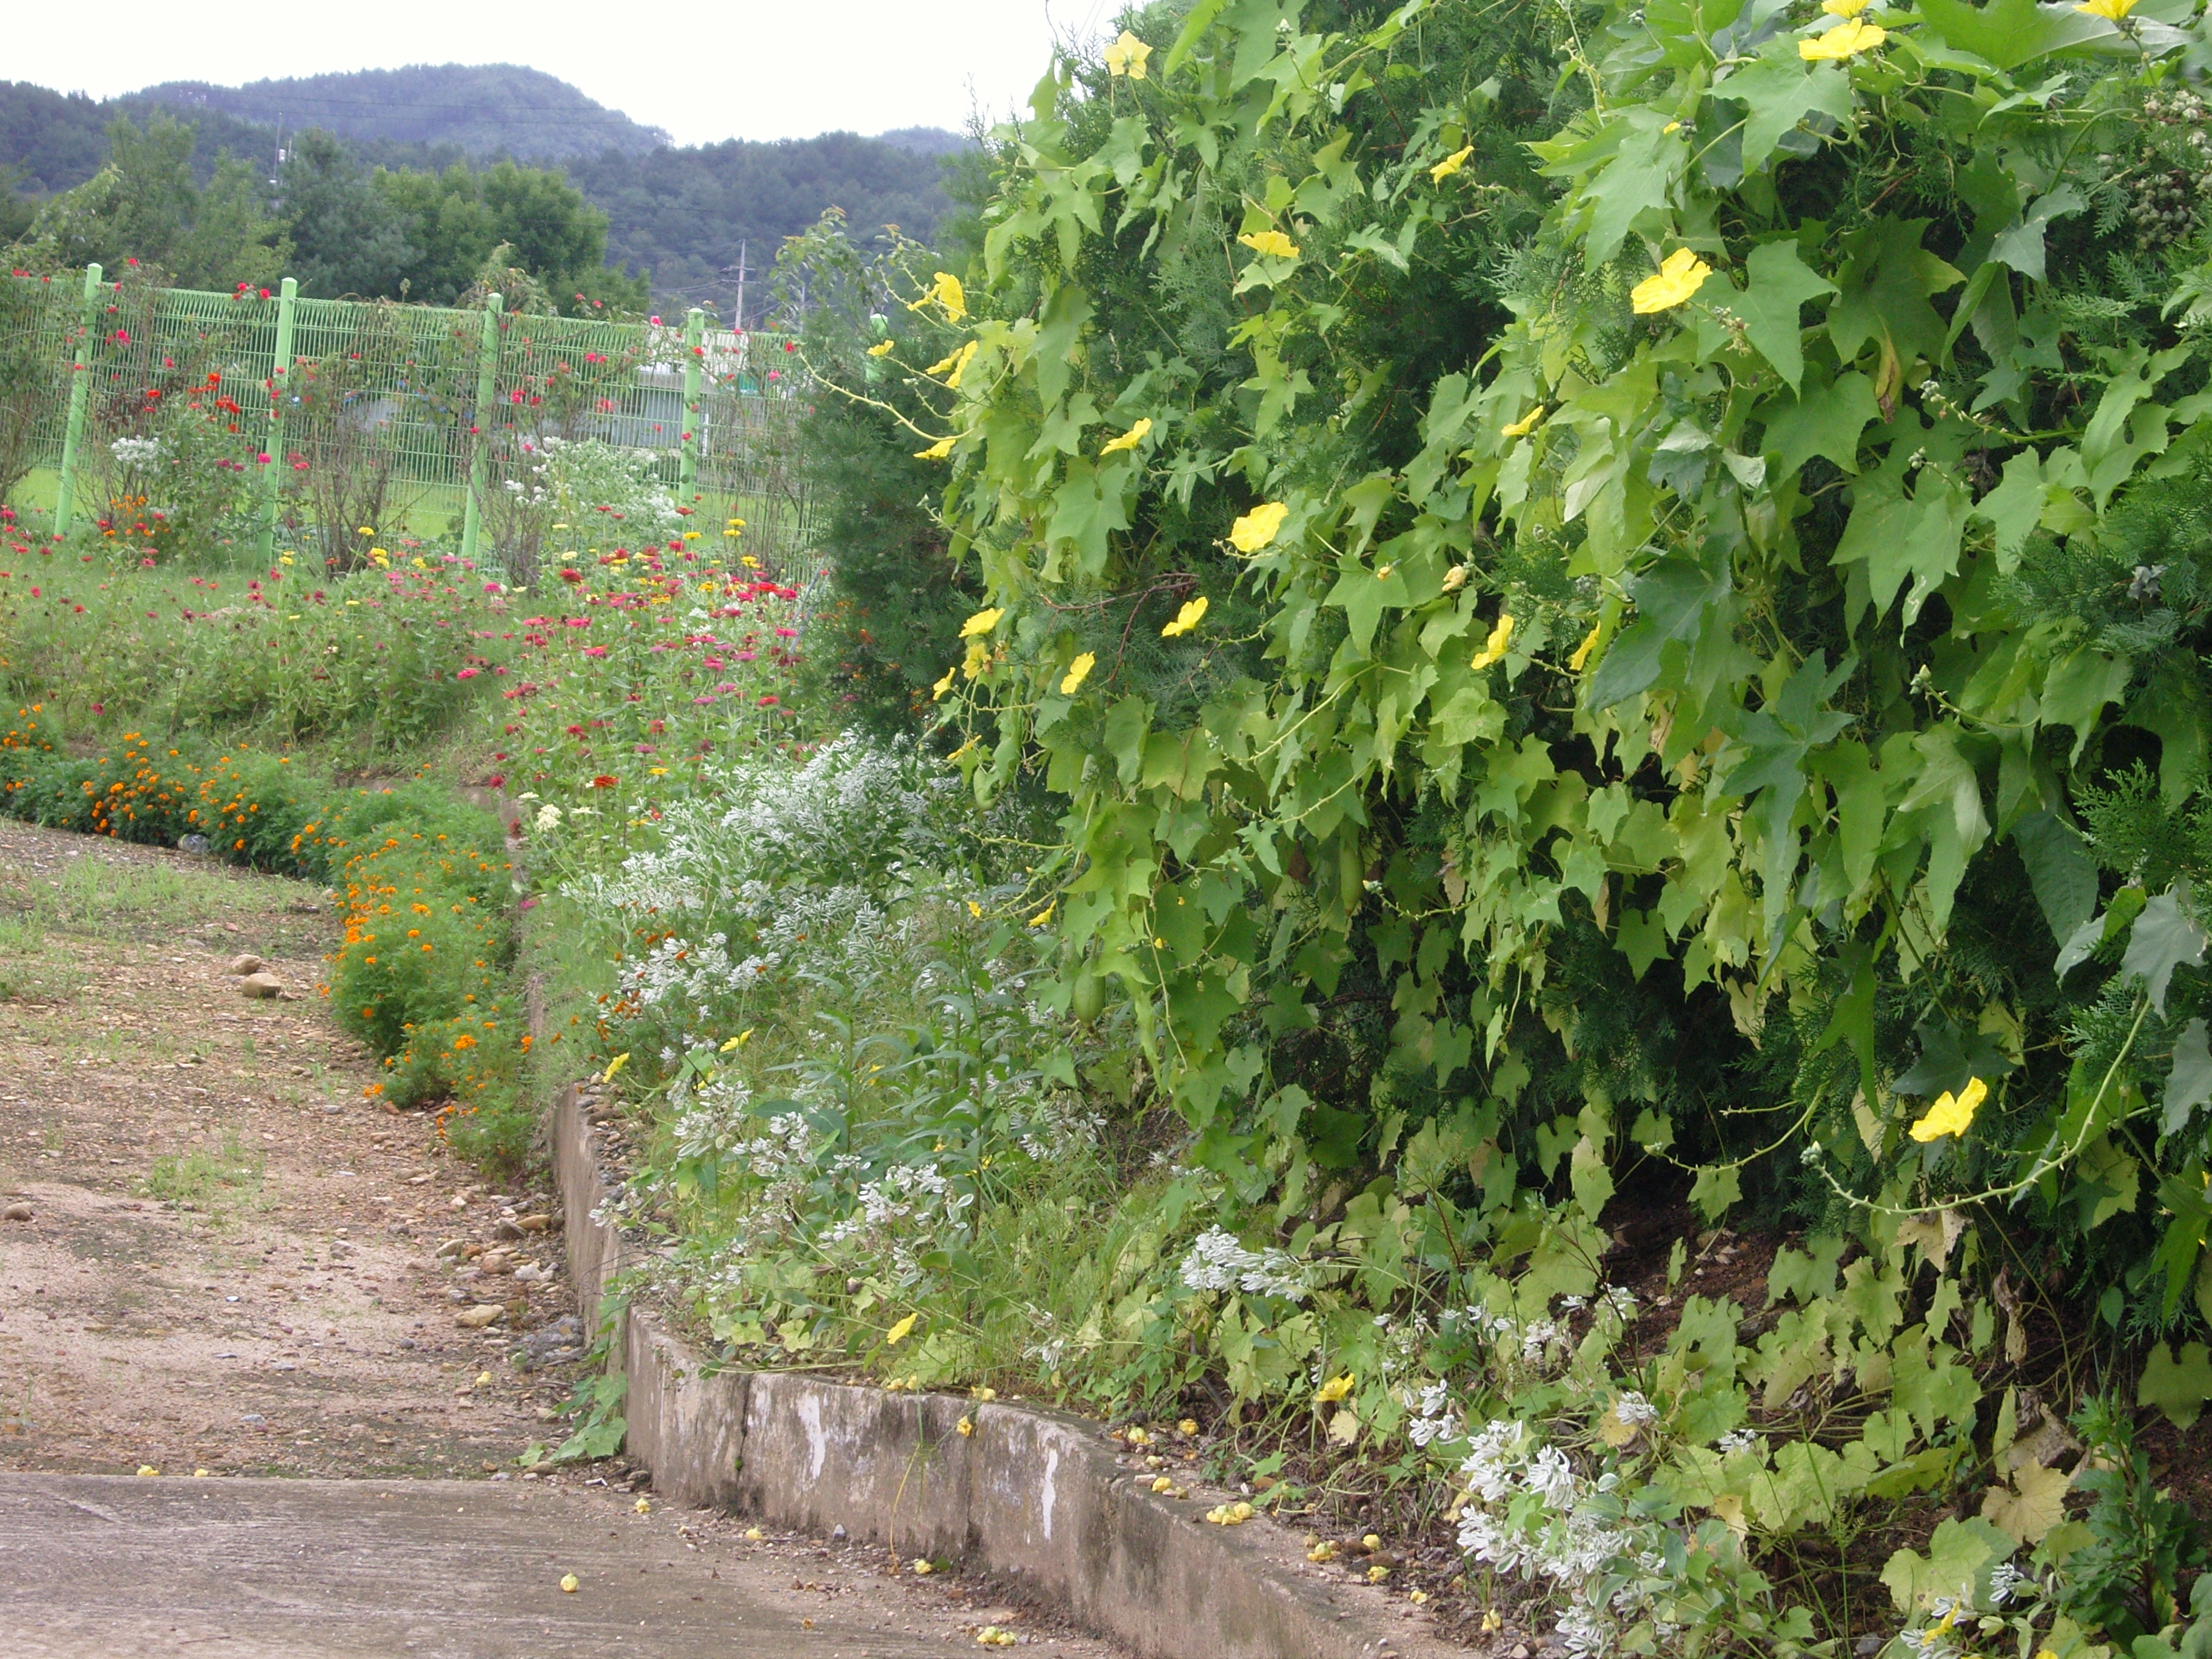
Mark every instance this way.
x=232 y=1261
x=219 y=1257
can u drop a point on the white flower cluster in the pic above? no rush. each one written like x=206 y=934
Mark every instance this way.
x=1529 y=1513
x=1216 y=1261
x=610 y=491
x=1634 y=1410
x=907 y=1208
x=1434 y=1421
x=137 y=452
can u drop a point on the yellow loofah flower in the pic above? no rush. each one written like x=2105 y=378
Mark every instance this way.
x=1186 y=619
x=1493 y=648
x=1950 y=1115
x=1129 y=440
x=1681 y=275
x=1128 y=56
x=1258 y=527
x=1271 y=243
x=1847 y=39
x=1078 y=671
x=1451 y=164
x=1583 y=651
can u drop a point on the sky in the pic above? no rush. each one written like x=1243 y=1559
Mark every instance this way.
x=786 y=69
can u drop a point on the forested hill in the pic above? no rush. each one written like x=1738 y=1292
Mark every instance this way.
x=484 y=110
x=686 y=215
x=50 y=141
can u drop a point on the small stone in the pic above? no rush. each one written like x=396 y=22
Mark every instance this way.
x=18 y=1212
x=534 y=1224
x=475 y=1318
x=507 y=1229
x=249 y=964
x=196 y=844
x=261 y=985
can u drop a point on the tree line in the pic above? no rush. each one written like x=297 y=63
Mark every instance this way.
x=326 y=217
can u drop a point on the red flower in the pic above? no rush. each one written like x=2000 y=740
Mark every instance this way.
x=603 y=781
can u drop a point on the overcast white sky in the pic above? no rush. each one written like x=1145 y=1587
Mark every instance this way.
x=754 y=69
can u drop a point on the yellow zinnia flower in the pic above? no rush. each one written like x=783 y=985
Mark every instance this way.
x=1258 y=527
x=1186 y=619
x=1129 y=440
x=1078 y=671
x=1451 y=164
x=982 y=623
x=1526 y=424
x=1493 y=648
x=1681 y=275
x=1950 y=1115
x=1126 y=56
x=1844 y=41
x=1273 y=243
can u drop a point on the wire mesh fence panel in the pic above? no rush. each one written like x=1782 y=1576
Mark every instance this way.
x=38 y=320
x=192 y=437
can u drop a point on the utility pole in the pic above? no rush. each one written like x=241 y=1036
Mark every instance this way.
x=741 y=285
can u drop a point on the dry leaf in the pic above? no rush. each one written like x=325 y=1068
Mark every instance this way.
x=2031 y=1505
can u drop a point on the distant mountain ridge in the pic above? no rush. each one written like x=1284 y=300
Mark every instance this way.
x=692 y=216
x=483 y=109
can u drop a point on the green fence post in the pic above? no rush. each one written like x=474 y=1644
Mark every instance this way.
x=280 y=383
x=695 y=336
x=80 y=391
x=487 y=389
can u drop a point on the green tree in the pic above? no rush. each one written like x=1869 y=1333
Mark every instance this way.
x=144 y=205
x=347 y=236
x=449 y=229
x=455 y=219
x=232 y=239
x=898 y=597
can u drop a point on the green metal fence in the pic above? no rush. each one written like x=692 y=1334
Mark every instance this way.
x=315 y=421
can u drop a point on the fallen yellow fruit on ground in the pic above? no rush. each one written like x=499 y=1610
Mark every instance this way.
x=570 y=1583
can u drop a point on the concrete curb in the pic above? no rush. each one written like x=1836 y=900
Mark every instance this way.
x=1031 y=1496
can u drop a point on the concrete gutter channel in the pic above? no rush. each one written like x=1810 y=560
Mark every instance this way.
x=1032 y=1497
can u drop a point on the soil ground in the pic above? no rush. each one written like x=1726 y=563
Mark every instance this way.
x=225 y=1260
